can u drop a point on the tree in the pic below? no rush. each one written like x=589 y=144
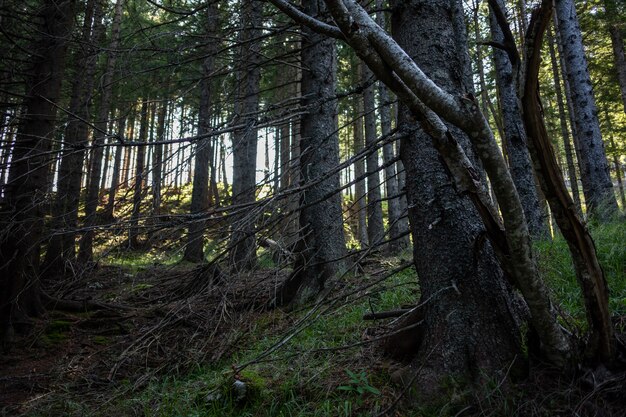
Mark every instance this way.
x=138 y=182
x=62 y=245
x=594 y=169
x=455 y=275
x=85 y=252
x=321 y=248
x=22 y=210
x=515 y=136
x=375 y=228
x=243 y=244
x=194 y=251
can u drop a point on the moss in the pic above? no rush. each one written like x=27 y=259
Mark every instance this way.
x=56 y=332
x=101 y=340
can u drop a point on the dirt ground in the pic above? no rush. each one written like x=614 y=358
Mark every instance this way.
x=159 y=320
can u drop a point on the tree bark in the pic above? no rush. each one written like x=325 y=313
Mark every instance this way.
x=459 y=275
x=594 y=170
x=360 y=189
x=321 y=249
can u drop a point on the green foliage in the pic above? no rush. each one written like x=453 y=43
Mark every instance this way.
x=358 y=385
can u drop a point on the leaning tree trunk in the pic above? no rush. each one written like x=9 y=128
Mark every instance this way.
x=462 y=287
x=243 y=244
x=22 y=210
x=194 y=251
x=115 y=175
x=321 y=249
x=594 y=169
x=567 y=142
x=520 y=164
x=601 y=342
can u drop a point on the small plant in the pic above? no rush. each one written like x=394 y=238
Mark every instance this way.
x=359 y=385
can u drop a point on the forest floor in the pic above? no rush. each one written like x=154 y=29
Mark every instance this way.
x=174 y=338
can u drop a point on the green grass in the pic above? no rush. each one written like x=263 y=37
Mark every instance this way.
x=557 y=269
x=303 y=378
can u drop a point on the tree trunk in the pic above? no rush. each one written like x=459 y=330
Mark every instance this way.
x=85 y=253
x=594 y=172
x=617 y=42
x=157 y=166
x=243 y=243
x=520 y=164
x=359 y=172
x=375 y=228
x=115 y=176
x=62 y=245
x=601 y=342
x=194 y=251
x=322 y=247
x=567 y=144
x=462 y=287
x=22 y=217
x=133 y=232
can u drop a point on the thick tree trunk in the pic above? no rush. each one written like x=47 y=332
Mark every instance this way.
x=194 y=251
x=85 y=253
x=462 y=287
x=21 y=218
x=322 y=247
x=243 y=242
x=520 y=164
x=594 y=172
x=375 y=228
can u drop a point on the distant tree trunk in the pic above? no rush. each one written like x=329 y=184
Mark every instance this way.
x=133 y=232
x=322 y=246
x=62 y=245
x=115 y=176
x=194 y=251
x=375 y=228
x=567 y=144
x=157 y=166
x=596 y=180
x=617 y=42
x=520 y=164
x=243 y=243
x=85 y=253
x=359 y=172
x=615 y=157
x=394 y=212
x=21 y=218
x=459 y=275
